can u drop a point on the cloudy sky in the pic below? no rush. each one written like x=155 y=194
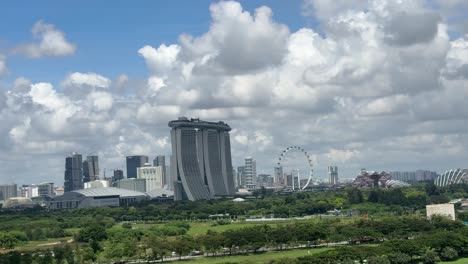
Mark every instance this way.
x=376 y=84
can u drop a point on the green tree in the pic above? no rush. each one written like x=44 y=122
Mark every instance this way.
x=430 y=257
x=94 y=232
x=449 y=254
x=182 y=245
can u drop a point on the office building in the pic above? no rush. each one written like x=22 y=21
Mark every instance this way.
x=91 y=169
x=278 y=177
x=332 y=175
x=201 y=165
x=29 y=191
x=265 y=180
x=118 y=175
x=45 y=189
x=250 y=174
x=138 y=185
x=8 y=191
x=134 y=162
x=73 y=172
x=153 y=177
x=240 y=177
x=160 y=161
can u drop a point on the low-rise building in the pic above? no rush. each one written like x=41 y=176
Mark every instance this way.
x=447 y=210
x=96 y=197
x=138 y=185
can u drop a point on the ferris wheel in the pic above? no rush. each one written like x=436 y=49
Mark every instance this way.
x=308 y=159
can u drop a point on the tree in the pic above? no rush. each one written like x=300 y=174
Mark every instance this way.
x=400 y=258
x=379 y=260
x=94 y=232
x=449 y=254
x=59 y=254
x=182 y=245
x=430 y=257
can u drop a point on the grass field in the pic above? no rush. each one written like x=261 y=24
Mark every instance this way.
x=460 y=261
x=49 y=243
x=257 y=258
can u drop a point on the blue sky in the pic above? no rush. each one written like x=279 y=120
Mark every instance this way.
x=109 y=35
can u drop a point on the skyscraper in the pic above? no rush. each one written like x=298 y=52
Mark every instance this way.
x=201 y=165
x=73 y=172
x=134 y=162
x=91 y=169
x=333 y=175
x=160 y=161
x=8 y=191
x=250 y=175
x=240 y=177
x=278 y=176
x=118 y=175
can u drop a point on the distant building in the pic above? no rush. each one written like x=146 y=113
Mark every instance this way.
x=265 y=180
x=278 y=177
x=447 y=210
x=97 y=184
x=59 y=191
x=201 y=161
x=160 y=161
x=73 y=173
x=91 y=169
x=45 y=189
x=414 y=176
x=240 y=177
x=134 y=162
x=154 y=177
x=18 y=203
x=96 y=197
x=332 y=175
x=371 y=179
x=8 y=191
x=250 y=174
x=138 y=185
x=118 y=175
x=29 y=191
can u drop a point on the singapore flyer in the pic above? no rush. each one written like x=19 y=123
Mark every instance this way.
x=295 y=159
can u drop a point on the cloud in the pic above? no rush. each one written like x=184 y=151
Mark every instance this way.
x=358 y=89
x=50 y=42
x=3 y=66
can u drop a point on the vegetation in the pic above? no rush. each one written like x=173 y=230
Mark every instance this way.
x=393 y=229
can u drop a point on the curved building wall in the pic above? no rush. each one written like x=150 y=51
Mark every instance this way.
x=227 y=163
x=201 y=166
x=213 y=166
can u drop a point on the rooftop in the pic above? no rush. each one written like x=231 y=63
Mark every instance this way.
x=197 y=123
x=108 y=191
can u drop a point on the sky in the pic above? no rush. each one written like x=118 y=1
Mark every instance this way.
x=377 y=84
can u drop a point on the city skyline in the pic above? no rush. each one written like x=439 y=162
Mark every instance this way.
x=374 y=84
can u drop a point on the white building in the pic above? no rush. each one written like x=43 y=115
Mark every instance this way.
x=97 y=184
x=29 y=191
x=154 y=176
x=250 y=173
x=447 y=210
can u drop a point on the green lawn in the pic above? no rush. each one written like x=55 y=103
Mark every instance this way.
x=257 y=258
x=460 y=261
x=42 y=244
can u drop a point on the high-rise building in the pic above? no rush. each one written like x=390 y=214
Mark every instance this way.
x=46 y=189
x=134 y=162
x=278 y=176
x=250 y=174
x=153 y=176
x=91 y=169
x=160 y=161
x=29 y=191
x=240 y=177
x=332 y=175
x=265 y=180
x=201 y=164
x=8 y=191
x=118 y=175
x=73 y=173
